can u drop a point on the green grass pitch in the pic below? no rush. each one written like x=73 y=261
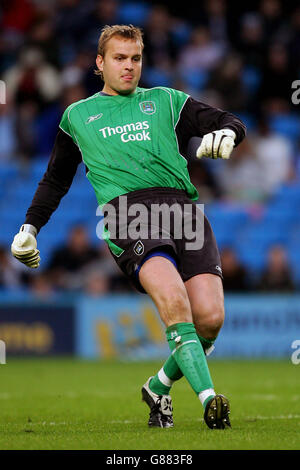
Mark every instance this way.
x=75 y=404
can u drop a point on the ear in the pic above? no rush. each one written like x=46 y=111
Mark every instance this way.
x=99 y=62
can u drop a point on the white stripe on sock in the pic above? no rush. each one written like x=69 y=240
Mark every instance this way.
x=180 y=345
x=205 y=394
x=209 y=350
x=164 y=379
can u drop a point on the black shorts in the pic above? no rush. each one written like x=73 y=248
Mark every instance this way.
x=168 y=240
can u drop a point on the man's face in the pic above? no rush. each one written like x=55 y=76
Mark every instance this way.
x=121 y=66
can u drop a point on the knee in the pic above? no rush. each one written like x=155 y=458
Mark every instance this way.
x=174 y=304
x=209 y=320
x=215 y=321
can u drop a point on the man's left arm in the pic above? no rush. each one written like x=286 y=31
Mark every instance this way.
x=220 y=130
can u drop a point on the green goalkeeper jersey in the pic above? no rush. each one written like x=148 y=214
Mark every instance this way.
x=129 y=142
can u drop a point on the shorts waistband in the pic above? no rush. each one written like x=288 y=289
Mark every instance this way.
x=146 y=192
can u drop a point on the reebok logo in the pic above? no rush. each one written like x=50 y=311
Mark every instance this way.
x=93 y=118
x=128 y=131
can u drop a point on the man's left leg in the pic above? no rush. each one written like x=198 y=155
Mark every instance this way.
x=206 y=296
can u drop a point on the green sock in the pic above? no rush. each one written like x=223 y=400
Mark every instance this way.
x=189 y=355
x=160 y=384
x=206 y=343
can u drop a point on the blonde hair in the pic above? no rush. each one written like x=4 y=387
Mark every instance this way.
x=122 y=30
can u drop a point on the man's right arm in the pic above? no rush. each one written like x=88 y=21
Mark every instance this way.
x=56 y=182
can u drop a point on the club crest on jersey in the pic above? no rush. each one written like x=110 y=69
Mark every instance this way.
x=139 y=248
x=148 y=107
x=93 y=118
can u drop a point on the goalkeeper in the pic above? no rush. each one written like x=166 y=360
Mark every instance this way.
x=133 y=141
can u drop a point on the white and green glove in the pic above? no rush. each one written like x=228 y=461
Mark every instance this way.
x=24 y=246
x=217 y=144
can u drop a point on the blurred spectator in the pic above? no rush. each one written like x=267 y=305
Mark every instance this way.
x=235 y=277
x=17 y=15
x=278 y=74
x=104 y=263
x=74 y=72
x=160 y=52
x=276 y=277
x=258 y=166
x=7 y=132
x=41 y=287
x=10 y=275
x=272 y=19
x=32 y=79
x=250 y=42
x=242 y=177
x=274 y=154
x=201 y=52
x=69 y=259
x=45 y=125
x=42 y=37
x=96 y=284
x=72 y=93
x=294 y=38
x=226 y=79
x=217 y=21
x=71 y=26
x=100 y=13
x=80 y=72
x=297 y=160
x=205 y=182
x=160 y=49
x=33 y=85
x=25 y=130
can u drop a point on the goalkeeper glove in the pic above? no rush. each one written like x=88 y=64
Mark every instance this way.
x=217 y=144
x=24 y=246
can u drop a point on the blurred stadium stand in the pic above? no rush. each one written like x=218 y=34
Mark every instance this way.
x=250 y=228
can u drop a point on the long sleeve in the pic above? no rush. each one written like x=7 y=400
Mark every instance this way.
x=56 y=182
x=198 y=119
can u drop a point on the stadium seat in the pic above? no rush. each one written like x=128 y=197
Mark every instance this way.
x=181 y=33
x=157 y=77
x=195 y=78
x=262 y=236
x=38 y=168
x=134 y=12
x=275 y=215
x=248 y=120
x=251 y=78
x=229 y=215
x=8 y=170
x=253 y=258
x=287 y=125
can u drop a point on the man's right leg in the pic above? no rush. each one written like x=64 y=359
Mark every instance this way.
x=162 y=282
